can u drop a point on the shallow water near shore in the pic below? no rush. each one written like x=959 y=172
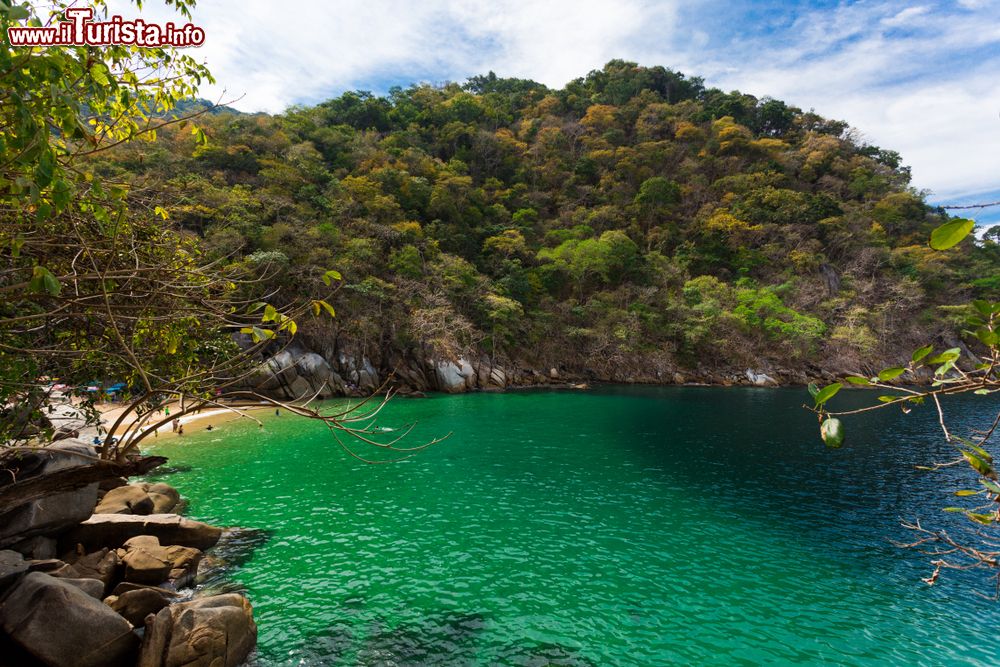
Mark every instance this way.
x=620 y=525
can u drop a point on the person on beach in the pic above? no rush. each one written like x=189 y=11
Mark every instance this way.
x=209 y=427
x=180 y=430
x=175 y=424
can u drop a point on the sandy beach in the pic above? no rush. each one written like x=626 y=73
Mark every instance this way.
x=67 y=415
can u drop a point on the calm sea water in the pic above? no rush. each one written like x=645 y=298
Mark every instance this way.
x=616 y=526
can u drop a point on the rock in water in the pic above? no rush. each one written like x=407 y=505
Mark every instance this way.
x=64 y=627
x=113 y=530
x=216 y=631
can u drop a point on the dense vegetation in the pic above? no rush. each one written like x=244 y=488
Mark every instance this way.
x=630 y=224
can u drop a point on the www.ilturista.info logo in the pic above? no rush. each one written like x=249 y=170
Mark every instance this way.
x=79 y=30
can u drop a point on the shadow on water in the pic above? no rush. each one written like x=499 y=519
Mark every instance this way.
x=235 y=548
x=448 y=640
x=167 y=470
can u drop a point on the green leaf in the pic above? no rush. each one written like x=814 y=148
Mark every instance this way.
x=891 y=373
x=42 y=280
x=259 y=334
x=327 y=307
x=45 y=168
x=162 y=212
x=951 y=354
x=813 y=389
x=984 y=307
x=966 y=492
x=985 y=519
x=14 y=12
x=951 y=233
x=987 y=337
x=832 y=432
x=922 y=352
x=331 y=275
x=827 y=392
x=855 y=379
x=98 y=75
x=890 y=399
x=270 y=314
x=991 y=486
x=978 y=464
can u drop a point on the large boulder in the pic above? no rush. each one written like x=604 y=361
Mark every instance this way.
x=57 y=511
x=140 y=499
x=113 y=530
x=760 y=379
x=12 y=566
x=36 y=548
x=216 y=631
x=62 y=626
x=131 y=499
x=147 y=562
x=102 y=565
x=134 y=605
x=92 y=587
x=455 y=376
x=165 y=497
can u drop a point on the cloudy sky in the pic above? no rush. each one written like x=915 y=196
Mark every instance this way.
x=920 y=78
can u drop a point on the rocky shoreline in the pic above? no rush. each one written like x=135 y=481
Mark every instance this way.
x=297 y=373
x=105 y=575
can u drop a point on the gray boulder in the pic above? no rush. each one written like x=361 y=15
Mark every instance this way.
x=57 y=511
x=92 y=587
x=102 y=565
x=216 y=631
x=134 y=605
x=455 y=376
x=12 y=566
x=36 y=548
x=62 y=626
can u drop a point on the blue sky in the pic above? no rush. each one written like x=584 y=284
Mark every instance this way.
x=921 y=78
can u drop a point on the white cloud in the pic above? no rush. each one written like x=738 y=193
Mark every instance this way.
x=905 y=16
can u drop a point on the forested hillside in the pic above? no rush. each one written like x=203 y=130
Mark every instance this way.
x=630 y=226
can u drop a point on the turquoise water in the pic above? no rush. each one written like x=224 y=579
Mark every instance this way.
x=616 y=526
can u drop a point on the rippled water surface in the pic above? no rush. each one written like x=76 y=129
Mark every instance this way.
x=616 y=526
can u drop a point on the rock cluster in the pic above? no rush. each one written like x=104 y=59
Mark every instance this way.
x=111 y=596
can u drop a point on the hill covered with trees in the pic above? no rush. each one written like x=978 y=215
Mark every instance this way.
x=631 y=226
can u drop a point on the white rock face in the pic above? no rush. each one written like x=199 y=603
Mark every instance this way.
x=455 y=376
x=760 y=379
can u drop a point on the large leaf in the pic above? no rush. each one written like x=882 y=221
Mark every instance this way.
x=827 y=392
x=891 y=374
x=978 y=464
x=832 y=432
x=951 y=233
